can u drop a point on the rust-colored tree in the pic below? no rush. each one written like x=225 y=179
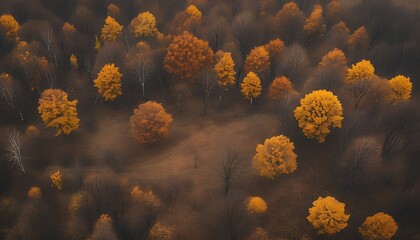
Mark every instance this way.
x=58 y=112
x=257 y=61
x=187 y=55
x=318 y=111
x=150 y=122
x=280 y=87
x=275 y=156
x=315 y=24
x=108 y=82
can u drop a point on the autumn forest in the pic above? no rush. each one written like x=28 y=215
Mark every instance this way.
x=209 y=119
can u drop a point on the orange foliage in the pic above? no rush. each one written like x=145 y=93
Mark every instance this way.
x=108 y=82
x=225 y=71
x=251 y=86
x=359 y=39
x=150 y=122
x=144 y=25
x=10 y=27
x=256 y=205
x=275 y=48
x=186 y=55
x=257 y=61
x=280 y=87
x=334 y=58
x=111 y=30
x=315 y=23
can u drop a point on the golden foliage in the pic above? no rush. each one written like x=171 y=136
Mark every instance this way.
x=73 y=62
x=341 y=27
x=184 y=20
x=401 y=87
x=256 y=205
x=113 y=10
x=68 y=29
x=317 y=112
x=361 y=71
x=257 y=61
x=280 y=87
x=75 y=202
x=359 y=39
x=57 y=111
x=150 y=122
x=328 y=215
x=333 y=10
x=10 y=27
x=274 y=48
x=161 y=232
x=315 y=23
x=144 y=25
x=251 y=86
x=289 y=10
x=56 y=180
x=109 y=82
x=276 y=156
x=225 y=71
x=146 y=197
x=111 y=30
x=335 y=58
x=186 y=55
x=34 y=193
x=378 y=226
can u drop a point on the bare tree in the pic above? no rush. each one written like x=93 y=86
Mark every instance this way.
x=10 y=91
x=208 y=82
x=229 y=169
x=88 y=64
x=243 y=27
x=14 y=154
x=142 y=69
x=294 y=65
x=47 y=36
x=217 y=33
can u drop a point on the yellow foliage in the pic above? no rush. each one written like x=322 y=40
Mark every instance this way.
x=34 y=193
x=146 y=197
x=186 y=55
x=275 y=48
x=280 y=87
x=225 y=71
x=317 y=112
x=109 y=82
x=359 y=39
x=144 y=25
x=75 y=202
x=328 y=215
x=401 y=88
x=57 y=111
x=111 y=30
x=113 y=10
x=56 y=180
x=257 y=61
x=379 y=226
x=161 y=232
x=73 y=62
x=150 y=122
x=192 y=15
x=315 y=23
x=333 y=10
x=251 y=86
x=256 y=205
x=361 y=71
x=334 y=58
x=276 y=156
x=10 y=27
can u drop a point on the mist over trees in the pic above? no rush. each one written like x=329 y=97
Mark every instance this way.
x=204 y=120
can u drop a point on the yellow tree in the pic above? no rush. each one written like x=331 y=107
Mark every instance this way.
x=318 y=111
x=275 y=156
x=150 y=122
x=144 y=25
x=359 y=39
x=401 y=87
x=186 y=19
x=58 y=112
x=161 y=232
x=108 y=82
x=315 y=24
x=257 y=61
x=379 y=226
x=56 y=180
x=73 y=62
x=256 y=205
x=359 y=80
x=225 y=73
x=251 y=86
x=280 y=87
x=187 y=55
x=328 y=215
x=10 y=27
x=111 y=30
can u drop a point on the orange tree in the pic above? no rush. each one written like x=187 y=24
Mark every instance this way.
x=317 y=112
x=108 y=82
x=10 y=27
x=280 y=87
x=257 y=61
x=187 y=55
x=378 y=226
x=144 y=25
x=57 y=111
x=150 y=122
x=251 y=86
x=111 y=30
